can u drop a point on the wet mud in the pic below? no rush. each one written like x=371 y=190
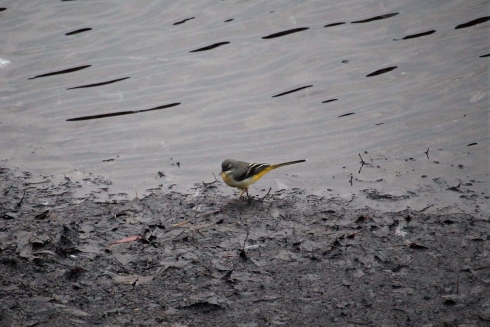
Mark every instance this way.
x=204 y=259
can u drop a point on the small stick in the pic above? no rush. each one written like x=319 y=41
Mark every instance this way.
x=362 y=163
x=127 y=239
x=210 y=183
x=270 y=188
x=426 y=208
x=159 y=303
x=242 y=252
x=457 y=252
x=245 y=242
x=455 y=188
x=427 y=153
x=21 y=200
x=181 y=224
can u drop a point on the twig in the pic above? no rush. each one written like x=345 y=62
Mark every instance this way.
x=243 y=255
x=215 y=181
x=362 y=163
x=21 y=200
x=351 y=177
x=457 y=252
x=427 y=153
x=34 y=183
x=270 y=188
x=159 y=303
x=181 y=223
x=426 y=208
x=245 y=242
x=127 y=239
x=43 y=215
x=455 y=188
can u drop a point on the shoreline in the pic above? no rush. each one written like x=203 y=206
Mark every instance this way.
x=208 y=260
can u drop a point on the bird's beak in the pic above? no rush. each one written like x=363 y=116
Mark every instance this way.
x=221 y=173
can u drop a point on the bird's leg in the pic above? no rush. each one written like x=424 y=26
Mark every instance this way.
x=249 y=199
x=243 y=190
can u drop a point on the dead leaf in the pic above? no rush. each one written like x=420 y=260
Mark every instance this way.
x=127 y=239
x=43 y=215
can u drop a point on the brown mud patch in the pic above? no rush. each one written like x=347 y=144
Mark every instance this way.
x=203 y=259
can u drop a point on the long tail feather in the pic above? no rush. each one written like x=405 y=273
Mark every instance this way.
x=287 y=163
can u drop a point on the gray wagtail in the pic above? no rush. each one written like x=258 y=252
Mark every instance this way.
x=242 y=174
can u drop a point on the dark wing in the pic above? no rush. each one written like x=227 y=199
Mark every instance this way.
x=251 y=170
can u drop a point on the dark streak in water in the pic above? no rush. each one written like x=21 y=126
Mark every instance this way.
x=375 y=18
x=487 y=55
x=334 y=24
x=474 y=22
x=229 y=20
x=98 y=84
x=79 y=31
x=331 y=100
x=295 y=30
x=382 y=71
x=472 y=144
x=413 y=36
x=379 y=124
x=209 y=47
x=121 y=113
x=2 y=9
x=350 y=113
x=295 y=90
x=183 y=21
x=66 y=71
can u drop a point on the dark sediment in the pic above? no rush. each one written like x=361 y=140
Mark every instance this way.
x=206 y=260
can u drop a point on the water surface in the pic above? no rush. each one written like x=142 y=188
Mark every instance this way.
x=125 y=90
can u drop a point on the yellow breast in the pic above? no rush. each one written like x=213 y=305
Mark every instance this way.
x=245 y=183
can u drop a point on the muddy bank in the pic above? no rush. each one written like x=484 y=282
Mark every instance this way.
x=203 y=259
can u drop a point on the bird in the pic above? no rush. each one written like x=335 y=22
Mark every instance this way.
x=241 y=174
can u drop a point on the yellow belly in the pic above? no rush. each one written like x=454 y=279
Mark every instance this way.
x=230 y=182
x=246 y=182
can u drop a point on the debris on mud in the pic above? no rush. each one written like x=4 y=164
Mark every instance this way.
x=292 y=259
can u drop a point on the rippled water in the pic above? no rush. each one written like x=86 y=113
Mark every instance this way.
x=126 y=89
